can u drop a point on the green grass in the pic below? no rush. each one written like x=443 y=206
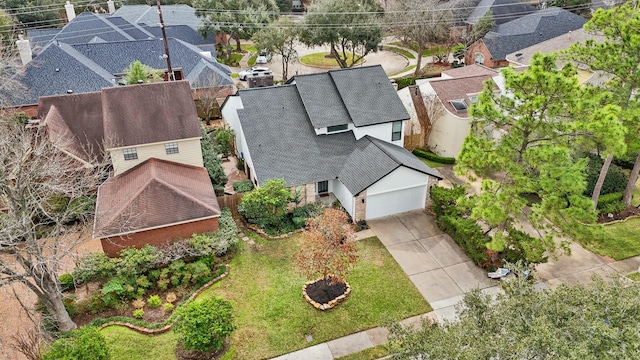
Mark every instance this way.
x=620 y=240
x=320 y=60
x=252 y=60
x=368 y=354
x=431 y=163
x=234 y=75
x=411 y=45
x=634 y=276
x=248 y=47
x=272 y=317
x=400 y=51
x=125 y=343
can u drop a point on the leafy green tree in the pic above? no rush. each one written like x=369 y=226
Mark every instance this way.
x=213 y=164
x=618 y=55
x=266 y=205
x=279 y=38
x=224 y=138
x=138 y=72
x=80 y=344
x=240 y=19
x=595 y=321
x=351 y=28
x=204 y=325
x=542 y=117
x=38 y=13
x=423 y=23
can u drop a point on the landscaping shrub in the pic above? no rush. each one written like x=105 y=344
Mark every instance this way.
x=224 y=140
x=154 y=301
x=362 y=225
x=243 y=186
x=467 y=234
x=133 y=262
x=94 y=266
x=433 y=157
x=168 y=307
x=522 y=246
x=444 y=200
x=266 y=205
x=218 y=242
x=240 y=165
x=299 y=222
x=627 y=161
x=138 y=303
x=80 y=344
x=212 y=163
x=308 y=211
x=66 y=282
x=213 y=314
x=138 y=313
x=615 y=181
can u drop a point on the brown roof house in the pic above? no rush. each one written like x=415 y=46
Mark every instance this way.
x=159 y=190
x=445 y=101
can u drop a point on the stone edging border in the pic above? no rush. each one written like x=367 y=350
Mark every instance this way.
x=621 y=221
x=331 y=304
x=147 y=331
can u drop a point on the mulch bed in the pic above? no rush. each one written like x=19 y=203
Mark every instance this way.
x=322 y=291
x=630 y=211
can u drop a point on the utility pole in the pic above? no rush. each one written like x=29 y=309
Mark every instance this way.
x=170 y=75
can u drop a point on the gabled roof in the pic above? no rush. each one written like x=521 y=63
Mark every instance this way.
x=502 y=10
x=171 y=14
x=469 y=70
x=87 y=26
x=282 y=143
x=363 y=96
x=448 y=90
x=122 y=116
x=185 y=33
x=149 y=113
x=530 y=30
x=154 y=194
x=76 y=120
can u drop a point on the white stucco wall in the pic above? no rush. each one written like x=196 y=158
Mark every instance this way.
x=189 y=152
x=380 y=131
x=341 y=193
x=448 y=134
x=230 y=114
x=400 y=178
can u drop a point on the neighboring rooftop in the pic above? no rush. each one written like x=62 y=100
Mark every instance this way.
x=452 y=91
x=564 y=41
x=151 y=195
x=469 y=70
x=502 y=10
x=171 y=14
x=529 y=30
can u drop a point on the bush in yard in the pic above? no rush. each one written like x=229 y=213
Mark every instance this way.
x=218 y=242
x=138 y=313
x=66 y=282
x=168 y=307
x=266 y=205
x=94 y=266
x=433 y=157
x=243 y=186
x=615 y=181
x=467 y=234
x=134 y=262
x=80 y=344
x=445 y=200
x=224 y=140
x=204 y=325
x=154 y=301
x=213 y=164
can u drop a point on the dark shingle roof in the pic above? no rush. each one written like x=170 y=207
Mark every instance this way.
x=368 y=95
x=183 y=32
x=530 y=30
x=134 y=30
x=171 y=14
x=87 y=26
x=321 y=100
x=139 y=198
x=168 y=113
x=502 y=10
x=283 y=144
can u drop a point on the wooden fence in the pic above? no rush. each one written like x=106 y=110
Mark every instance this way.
x=231 y=202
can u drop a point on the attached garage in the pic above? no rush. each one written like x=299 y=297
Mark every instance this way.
x=403 y=189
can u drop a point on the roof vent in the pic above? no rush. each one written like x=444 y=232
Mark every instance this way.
x=459 y=105
x=57 y=70
x=69 y=91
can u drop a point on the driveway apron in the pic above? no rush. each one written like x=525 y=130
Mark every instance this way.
x=432 y=260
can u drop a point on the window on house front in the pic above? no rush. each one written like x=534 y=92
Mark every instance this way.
x=335 y=128
x=479 y=59
x=130 y=154
x=396 y=131
x=323 y=187
x=171 y=148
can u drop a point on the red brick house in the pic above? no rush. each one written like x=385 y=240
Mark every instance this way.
x=159 y=190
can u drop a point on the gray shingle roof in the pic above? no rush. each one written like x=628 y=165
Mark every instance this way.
x=183 y=32
x=321 y=100
x=283 y=144
x=171 y=14
x=87 y=26
x=503 y=10
x=530 y=30
x=368 y=95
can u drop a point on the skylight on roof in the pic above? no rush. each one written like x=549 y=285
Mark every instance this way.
x=459 y=105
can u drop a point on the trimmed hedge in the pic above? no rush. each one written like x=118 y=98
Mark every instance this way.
x=433 y=157
x=467 y=234
x=611 y=203
x=242 y=186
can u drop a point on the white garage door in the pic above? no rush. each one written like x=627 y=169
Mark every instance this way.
x=396 y=201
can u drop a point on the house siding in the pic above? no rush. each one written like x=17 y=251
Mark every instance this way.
x=380 y=131
x=157 y=237
x=448 y=134
x=342 y=193
x=189 y=152
x=230 y=115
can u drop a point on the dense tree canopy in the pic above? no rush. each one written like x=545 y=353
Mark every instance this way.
x=350 y=28
x=595 y=321
x=279 y=38
x=526 y=137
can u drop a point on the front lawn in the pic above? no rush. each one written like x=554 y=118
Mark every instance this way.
x=430 y=163
x=321 y=60
x=125 y=343
x=271 y=316
x=620 y=240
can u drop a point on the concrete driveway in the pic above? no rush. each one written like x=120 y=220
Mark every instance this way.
x=432 y=260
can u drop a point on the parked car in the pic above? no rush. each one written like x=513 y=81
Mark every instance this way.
x=242 y=75
x=263 y=57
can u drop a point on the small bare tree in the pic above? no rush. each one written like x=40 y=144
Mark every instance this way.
x=46 y=201
x=328 y=247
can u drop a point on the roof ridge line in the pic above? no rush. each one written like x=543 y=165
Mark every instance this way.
x=115 y=214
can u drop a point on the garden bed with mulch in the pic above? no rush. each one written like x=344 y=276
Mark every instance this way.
x=630 y=211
